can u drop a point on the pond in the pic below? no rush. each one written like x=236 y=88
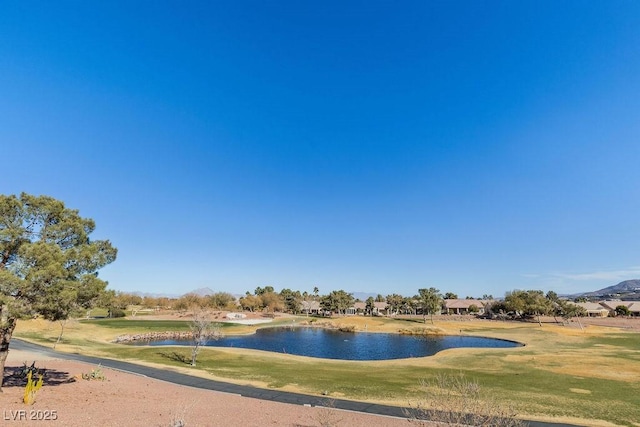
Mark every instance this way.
x=332 y=344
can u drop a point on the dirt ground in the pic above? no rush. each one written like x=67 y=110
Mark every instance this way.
x=124 y=399
x=629 y=323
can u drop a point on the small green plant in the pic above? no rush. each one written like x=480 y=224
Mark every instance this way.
x=26 y=369
x=95 y=374
x=32 y=388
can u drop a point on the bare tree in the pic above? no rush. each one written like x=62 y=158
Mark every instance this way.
x=454 y=400
x=326 y=414
x=63 y=323
x=179 y=416
x=203 y=329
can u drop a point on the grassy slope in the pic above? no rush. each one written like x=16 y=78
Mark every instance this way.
x=561 y=372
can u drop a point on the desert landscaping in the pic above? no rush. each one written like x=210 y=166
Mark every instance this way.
x=320 y=214
x=120 y=398
x=123 y=399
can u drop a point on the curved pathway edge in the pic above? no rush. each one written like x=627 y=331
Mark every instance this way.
x=242 y=390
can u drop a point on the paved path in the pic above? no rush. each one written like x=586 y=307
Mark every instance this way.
x=243 y=390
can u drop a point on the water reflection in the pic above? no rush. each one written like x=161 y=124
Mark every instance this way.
x=331 y=344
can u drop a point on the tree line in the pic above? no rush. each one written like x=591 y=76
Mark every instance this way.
x=49 y=268
x=515 y=304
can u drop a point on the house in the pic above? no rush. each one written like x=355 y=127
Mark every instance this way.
x=464 y=306
x=594 y=309
x=311 y=307
x=379 y=308
x=633 y=306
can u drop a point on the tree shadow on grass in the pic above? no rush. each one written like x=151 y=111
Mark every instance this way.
x=175 y=356
x=14 y=376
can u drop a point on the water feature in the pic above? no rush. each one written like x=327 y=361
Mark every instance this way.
x=332 y=344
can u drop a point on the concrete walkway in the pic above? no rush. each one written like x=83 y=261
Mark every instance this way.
x=246 y=391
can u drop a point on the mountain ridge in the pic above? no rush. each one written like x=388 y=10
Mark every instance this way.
x=625 y=289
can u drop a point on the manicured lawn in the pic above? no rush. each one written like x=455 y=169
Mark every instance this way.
x=140 y=325
x=580 y=376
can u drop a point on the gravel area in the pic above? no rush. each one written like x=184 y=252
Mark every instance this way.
x=124 y=399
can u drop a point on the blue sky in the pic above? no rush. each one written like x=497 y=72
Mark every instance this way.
x=372 y=146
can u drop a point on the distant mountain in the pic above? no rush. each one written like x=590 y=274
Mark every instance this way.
x=629 y=289
x=202 y=292
x=153 y=294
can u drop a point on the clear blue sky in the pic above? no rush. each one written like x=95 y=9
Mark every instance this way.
x=371 y=146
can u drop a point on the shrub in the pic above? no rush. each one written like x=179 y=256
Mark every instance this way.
x=622 y=310
x=95 y=374
x=116 y=312
x=326 y=414
x=26 y=369
x=424 y=330
x=453 y=400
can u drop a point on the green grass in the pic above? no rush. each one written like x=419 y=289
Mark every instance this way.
x=628 y=341
x=140 y=325
x=99 y=312
x=560 y=372
x=528 y=389
x=50 y=339
x=143 y=325
x=315 y=376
